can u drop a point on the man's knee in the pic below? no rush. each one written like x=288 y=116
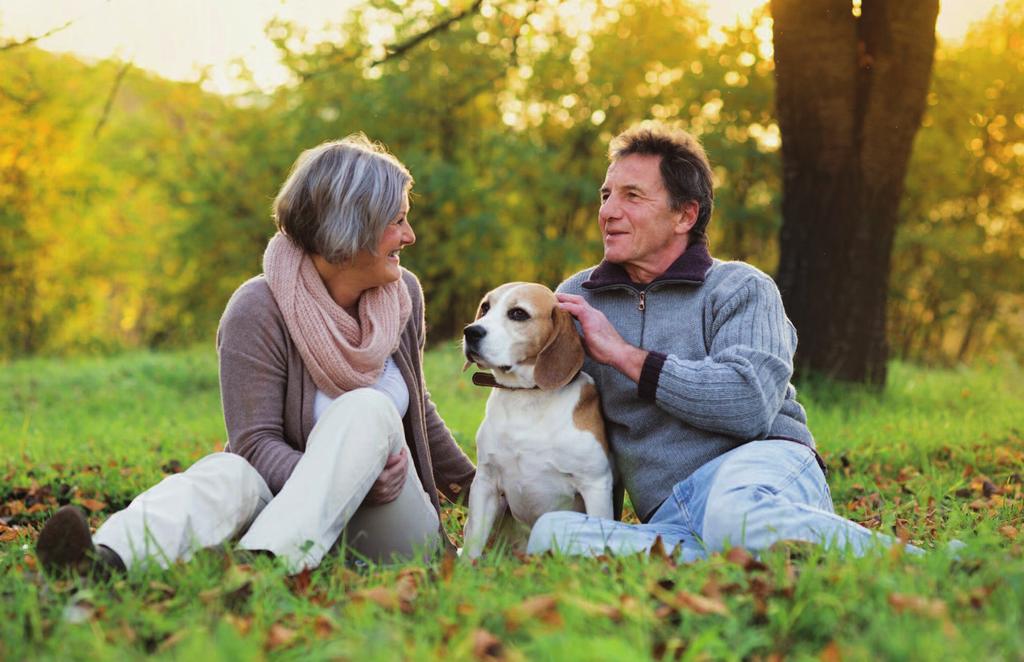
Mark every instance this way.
x=551 y=529
x=732 y=517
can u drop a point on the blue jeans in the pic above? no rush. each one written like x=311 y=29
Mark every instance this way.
x=753 y=496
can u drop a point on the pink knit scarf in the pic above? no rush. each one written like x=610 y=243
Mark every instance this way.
x=340 y=352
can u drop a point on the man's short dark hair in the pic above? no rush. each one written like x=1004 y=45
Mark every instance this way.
x=684 y=166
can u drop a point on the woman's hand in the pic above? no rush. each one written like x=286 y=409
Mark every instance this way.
x=390 y=482
x=602 y=341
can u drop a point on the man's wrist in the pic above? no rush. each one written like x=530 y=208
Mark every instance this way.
x=630 y=361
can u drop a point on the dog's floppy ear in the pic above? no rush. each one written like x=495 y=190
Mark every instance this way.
x=562 y=356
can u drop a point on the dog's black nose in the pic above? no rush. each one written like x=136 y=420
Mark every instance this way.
x=474 y=333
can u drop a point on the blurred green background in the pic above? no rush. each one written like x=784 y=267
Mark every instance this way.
x=131 y=206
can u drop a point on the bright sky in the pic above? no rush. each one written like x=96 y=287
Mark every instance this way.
x=178 y=38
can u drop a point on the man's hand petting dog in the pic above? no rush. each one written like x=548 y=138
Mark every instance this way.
x=602 y=341
x=389 y=484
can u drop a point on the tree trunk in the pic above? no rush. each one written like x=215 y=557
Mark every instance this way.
x=850 y=96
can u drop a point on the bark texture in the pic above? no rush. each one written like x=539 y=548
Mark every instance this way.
x=850 y=96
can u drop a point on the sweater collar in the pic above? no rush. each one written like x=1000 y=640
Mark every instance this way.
x=690 y=267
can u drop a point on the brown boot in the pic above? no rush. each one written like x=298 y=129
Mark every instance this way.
x=65 y=546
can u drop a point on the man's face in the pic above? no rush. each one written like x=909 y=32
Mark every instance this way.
x=639 y=229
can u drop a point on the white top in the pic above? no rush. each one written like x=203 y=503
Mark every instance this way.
x=390 y=384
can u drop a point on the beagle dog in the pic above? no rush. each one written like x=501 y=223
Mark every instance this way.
x=542 y=444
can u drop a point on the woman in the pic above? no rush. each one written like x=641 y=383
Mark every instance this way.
x=323 y=394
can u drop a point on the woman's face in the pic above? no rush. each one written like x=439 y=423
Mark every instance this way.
x=384 y=267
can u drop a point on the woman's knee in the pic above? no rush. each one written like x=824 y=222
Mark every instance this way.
x=230 y=471
x=363 y=410
x=367 y=401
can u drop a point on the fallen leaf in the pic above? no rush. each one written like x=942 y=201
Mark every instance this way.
x=699 y=604
x=979 y=596
x=299 y=584
x=241 y=623
x=610 y=612
x=915 y=604
x=1009 y=532
x=407 y=588
x=379 y=595
x=448 y=566
x=92 y=505
x=543 y=608
x=171 y=641
x=744 y=559
x=659 y=552
x=323 y=626
x=172 y=467
x=830 y=653
x=486 y=646
x=279 y=636
x=712 y=589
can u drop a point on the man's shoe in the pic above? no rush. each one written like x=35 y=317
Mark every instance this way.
x=65 y=546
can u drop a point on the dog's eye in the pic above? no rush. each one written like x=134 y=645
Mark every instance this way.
x=518 y=315
x=484 y=307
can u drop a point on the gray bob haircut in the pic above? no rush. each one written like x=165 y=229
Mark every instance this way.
x=340 y=197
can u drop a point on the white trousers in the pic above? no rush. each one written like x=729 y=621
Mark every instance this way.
x=222 y=496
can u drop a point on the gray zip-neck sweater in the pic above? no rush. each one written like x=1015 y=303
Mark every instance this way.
x=716 y=376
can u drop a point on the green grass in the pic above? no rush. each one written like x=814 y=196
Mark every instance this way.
x=921 y=459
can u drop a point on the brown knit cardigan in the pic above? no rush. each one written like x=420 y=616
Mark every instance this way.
x=268 y=394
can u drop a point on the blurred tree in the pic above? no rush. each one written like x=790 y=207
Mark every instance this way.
x=852 y=80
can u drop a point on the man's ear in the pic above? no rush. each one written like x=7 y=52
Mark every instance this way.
x=562 y=356
x=688 y=214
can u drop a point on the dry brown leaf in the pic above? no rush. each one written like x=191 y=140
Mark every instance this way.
x=699 y=604
x=171 y=641
x=979 y=596
x=1009 y=532
x=543 y=608
x=299 y=584
x=659 y=552
x=831 y=653
x=712 y=589
x=610 y=612
x=8 y=534
x=486 y=646
x=448 y=566
x=916 y=604
x=241 y=623
x=744 y=559
x=279 y=636
x=407 y=584
x=92 y=505
x=379 y=595
x=323 y=626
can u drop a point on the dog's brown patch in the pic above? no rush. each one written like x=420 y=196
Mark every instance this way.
x=587 y=415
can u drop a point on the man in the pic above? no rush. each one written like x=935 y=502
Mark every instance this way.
x=693 y=358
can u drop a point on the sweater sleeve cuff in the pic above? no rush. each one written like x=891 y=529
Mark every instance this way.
x=649 y=374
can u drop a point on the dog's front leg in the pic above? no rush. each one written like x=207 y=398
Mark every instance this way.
x=485 y=503
x=597 y=497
